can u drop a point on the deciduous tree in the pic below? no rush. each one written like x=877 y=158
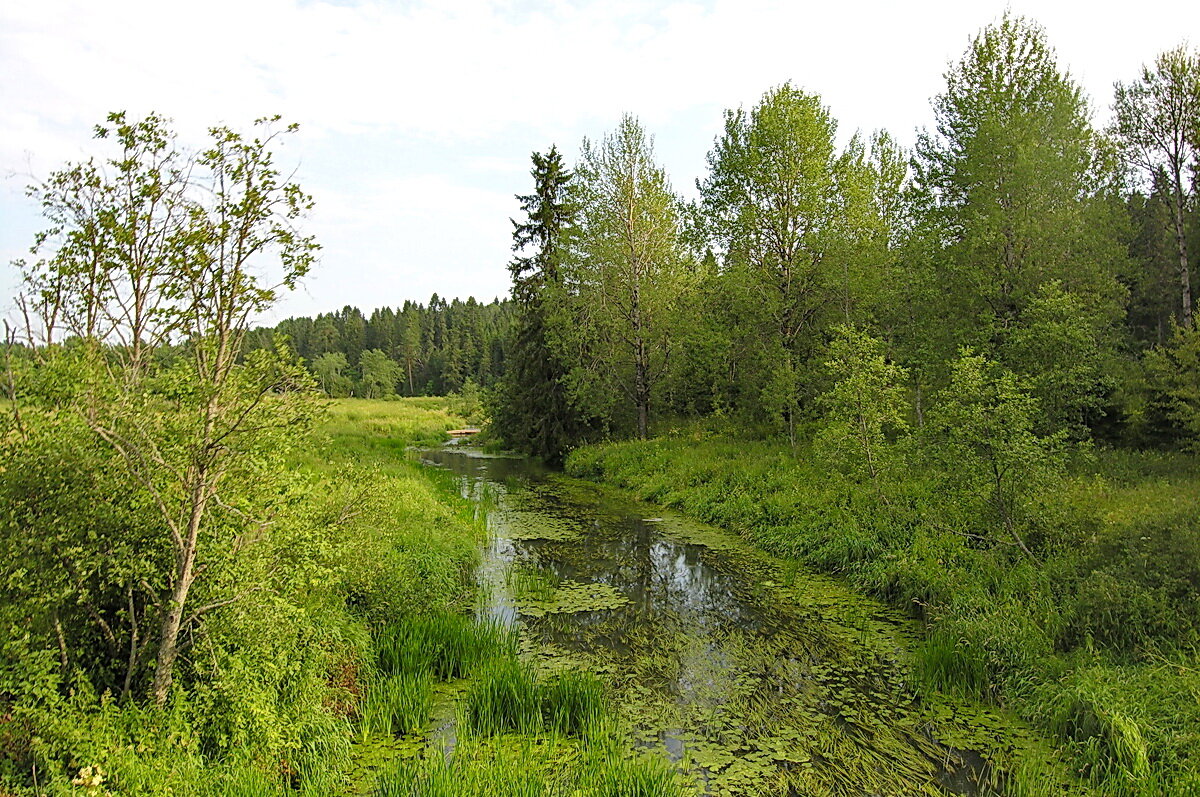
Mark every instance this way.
x=1158 y=124
x=769 y=209
x=159 y=247
x=1008 y=178
x=630 y=270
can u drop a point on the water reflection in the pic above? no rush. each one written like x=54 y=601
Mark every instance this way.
x=584 y=538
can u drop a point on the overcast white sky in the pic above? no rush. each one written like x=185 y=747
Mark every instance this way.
x=417 y=118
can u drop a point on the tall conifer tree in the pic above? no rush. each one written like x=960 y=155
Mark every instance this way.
x=533 y=409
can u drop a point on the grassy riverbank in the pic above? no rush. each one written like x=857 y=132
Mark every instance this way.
x=323 y=677
x=1093 y=638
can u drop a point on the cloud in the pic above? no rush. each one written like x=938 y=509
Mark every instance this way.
x=390 y=93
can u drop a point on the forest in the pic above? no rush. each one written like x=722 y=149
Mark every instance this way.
x=961 y=382
x=414 y=350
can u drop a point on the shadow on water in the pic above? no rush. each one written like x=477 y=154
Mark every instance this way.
x=756 y=681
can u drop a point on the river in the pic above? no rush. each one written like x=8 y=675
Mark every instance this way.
x=756 y=677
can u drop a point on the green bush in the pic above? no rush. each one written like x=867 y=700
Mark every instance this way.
x=1139 y=588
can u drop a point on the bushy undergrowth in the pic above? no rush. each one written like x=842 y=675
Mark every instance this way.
x=342 y=616
x=281 y=672
x=1092 y=634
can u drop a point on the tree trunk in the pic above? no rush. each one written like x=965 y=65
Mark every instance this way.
x=185 y=574
x=641 y=364
x=1185 y=278
x=641 y=389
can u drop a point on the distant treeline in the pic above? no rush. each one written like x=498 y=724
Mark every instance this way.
x=414 y=350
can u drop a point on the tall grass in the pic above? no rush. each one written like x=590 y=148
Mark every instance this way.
x=396 y=705
x=572 y=703
x=528 y=767
x=507 y=772
x=443 y=644
x=503 y=697
x=633 y=776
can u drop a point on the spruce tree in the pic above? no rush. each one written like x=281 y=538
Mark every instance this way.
x=533 y=410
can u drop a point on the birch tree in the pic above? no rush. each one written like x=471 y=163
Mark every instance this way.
x=1158 y=124
x=769 y=204
x=630 y=269
x=156 y=262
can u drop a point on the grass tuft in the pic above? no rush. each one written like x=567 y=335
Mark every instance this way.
x=444 y=645
x=503 y=697
x=396 y=705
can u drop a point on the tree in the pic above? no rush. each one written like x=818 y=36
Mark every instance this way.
x=380 y=373
x=769 y=210
x=534 y=410
x=982 y=431
x=161 y=247
x=865 y=410
x=409 y=344
x=871 y=216
x=1062 y=354
x=328 y=369
x=112 y=229
x=630 y=272
x=1011 y=181
x=1174 y=371
x=1158 y=124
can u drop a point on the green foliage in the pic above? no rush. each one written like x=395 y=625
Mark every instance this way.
x=1014 y=181
x=768 y=207
x=1174 y=375
x=269 y=688
x=532 y=408
x=1133 y=729
x=1156 y=122
x=628 y=276
x=994 y=464
x=328 y=369
x=506 y=696
x=379 y=374
x=633 y=776
x=1061 y=352
x=864 y=411
x=1140 y=587
x=428 y=349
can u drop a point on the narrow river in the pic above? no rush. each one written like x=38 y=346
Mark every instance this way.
x=755 y=678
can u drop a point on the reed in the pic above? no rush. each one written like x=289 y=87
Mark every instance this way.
x=443 y=645
x=396 y=705
x=504 y=696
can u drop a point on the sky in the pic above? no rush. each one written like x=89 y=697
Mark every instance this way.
x=417 y=118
